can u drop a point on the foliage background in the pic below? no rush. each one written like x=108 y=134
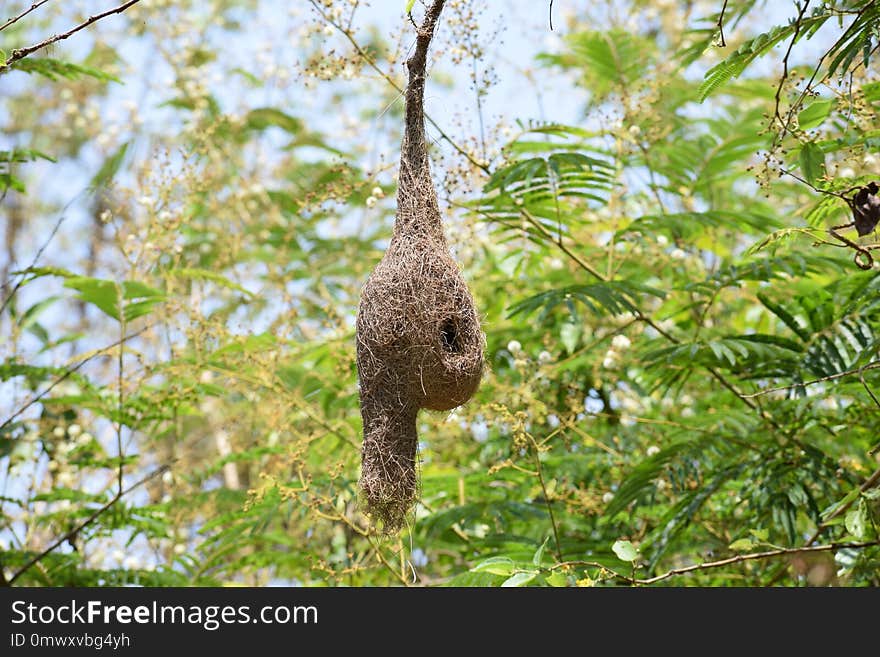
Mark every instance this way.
x=682 y=364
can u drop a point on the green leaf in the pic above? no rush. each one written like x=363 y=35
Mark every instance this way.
x=55 y=69
x=557 y=578
x=8 y=181
x=29 y=317
x=815 y=114
x=519 y=579
x=24 y=155
x=106 y=296
x=857 y=519
x=611 y=297
x=207 y=275
x=742 y=545
x=409 y=5
x=266 y=117
x=539 y=553
x=812 y=161
x=735 y=64
x=777 y=238
x=608 y=60
x=625 y=550
x=496 y=566
x=101 y=293
x=109 y=169
x=760 y=534
x=643 y=475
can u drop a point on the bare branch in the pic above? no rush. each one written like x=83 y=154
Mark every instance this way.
x=365 y=56
x=21 y=53
x=15 y=19
x=85 y=523
x=708 y=565
x=797 y=29
x=769 y=554
x=720 y=25
x=39 y=253
x=831 y=377
x=33 y=400
x=867 y=485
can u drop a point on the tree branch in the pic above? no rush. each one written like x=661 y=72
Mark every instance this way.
x=867 y=485
x=708 y=565
x=769 y=554
x=831 y=377
x=33 y=400
x=720 y=25
x=784 y=77
x=15 y=19
x=365 y=56
x=21 y=53
x=85 y=523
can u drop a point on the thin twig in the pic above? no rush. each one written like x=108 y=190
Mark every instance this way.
x=39 y=253
x=36 y=398
x=720 y=25
x=547 y=502
x=377 y=550
x=372 y=64
x=88 y=521
x=559 y=243
x=21 y=53
x=828 y=192
x=639 y=315
x=778 y=96
x=873 y=398
x=551 y=15
x=708 y=565
x=867 y=485
x=769 y=554
x=15 y=19
x=809 y=86
x=831 y=377
x=120 y=403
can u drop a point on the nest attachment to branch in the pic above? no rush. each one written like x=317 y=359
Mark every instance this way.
x=419 y=343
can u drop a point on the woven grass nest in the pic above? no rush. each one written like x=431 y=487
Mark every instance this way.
x=419 y=343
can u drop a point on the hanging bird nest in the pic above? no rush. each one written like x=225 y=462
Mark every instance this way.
x=419 y=343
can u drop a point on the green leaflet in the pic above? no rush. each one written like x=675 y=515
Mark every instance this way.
x=56 y=69
x=734 y=65
x=613 y=297
x=128 y=301
x=812 y=162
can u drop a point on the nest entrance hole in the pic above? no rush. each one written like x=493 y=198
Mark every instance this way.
x=450 y=336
